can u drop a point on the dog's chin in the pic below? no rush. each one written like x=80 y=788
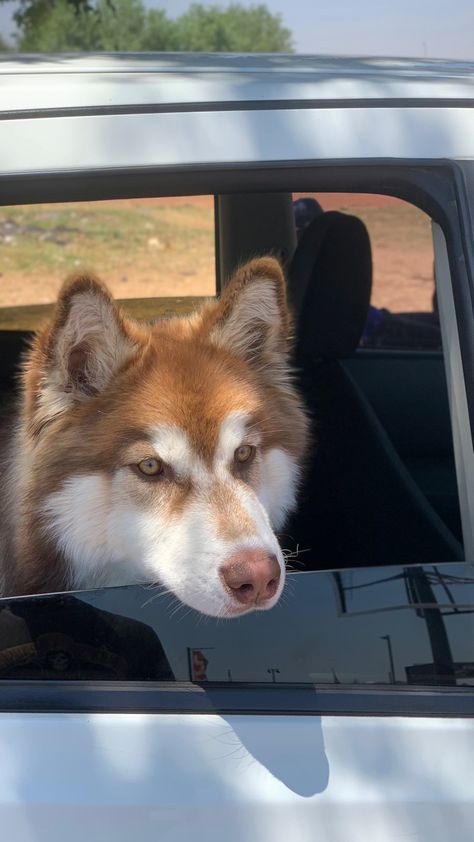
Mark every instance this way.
x=217 y=603
x=241 y=610
x=218 y=612
x=237 y=611
x=231 y=610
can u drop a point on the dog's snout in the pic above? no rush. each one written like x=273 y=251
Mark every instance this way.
x=251 y=576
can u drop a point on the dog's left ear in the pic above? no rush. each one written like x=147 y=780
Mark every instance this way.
x=251 y=318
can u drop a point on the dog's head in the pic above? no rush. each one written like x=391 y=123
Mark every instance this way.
x=169 y=452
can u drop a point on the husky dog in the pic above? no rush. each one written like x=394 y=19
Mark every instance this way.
x=156 y=453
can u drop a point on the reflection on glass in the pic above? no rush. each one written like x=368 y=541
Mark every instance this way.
x=63 y=636
x=392 y=625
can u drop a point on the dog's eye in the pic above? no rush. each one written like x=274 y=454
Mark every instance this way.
x=244 y=453
x=150 y=467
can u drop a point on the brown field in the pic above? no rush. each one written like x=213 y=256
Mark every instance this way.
x=402 y=248
x=165 y=247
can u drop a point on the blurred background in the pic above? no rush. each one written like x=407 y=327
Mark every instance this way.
x=415 y=28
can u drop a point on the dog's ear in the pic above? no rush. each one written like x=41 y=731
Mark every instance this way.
x=75 y=356
x=251 y=318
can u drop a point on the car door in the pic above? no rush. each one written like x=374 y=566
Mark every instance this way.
x=346 y=712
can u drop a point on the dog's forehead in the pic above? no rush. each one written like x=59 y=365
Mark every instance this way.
x=192 y=391
x=181 y=447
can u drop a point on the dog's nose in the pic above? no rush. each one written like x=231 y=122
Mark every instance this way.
x=251 y=576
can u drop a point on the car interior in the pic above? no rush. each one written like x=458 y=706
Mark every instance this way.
x=380 y=487
x=376 y=488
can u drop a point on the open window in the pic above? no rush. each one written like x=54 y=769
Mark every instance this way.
x=378 y=591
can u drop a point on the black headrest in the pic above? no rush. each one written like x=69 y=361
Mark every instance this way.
x=330 y=280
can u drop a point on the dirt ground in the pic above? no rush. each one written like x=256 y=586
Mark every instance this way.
x=402 y=249
x=165 y=247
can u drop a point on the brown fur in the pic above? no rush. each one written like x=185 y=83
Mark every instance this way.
x=181 y=371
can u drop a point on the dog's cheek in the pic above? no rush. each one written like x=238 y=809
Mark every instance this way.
x=83 y=518
x=279 y=475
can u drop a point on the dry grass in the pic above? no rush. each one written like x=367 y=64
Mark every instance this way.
x=165 y=247
x=402 y=249
x=141 y=249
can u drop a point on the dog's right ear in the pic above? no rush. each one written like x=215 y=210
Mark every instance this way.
x=75 y=356
x=251 y=317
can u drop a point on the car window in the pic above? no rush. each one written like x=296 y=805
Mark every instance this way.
x=370 y=598
x=403 y=626
x=362 y=278
x=403 y=309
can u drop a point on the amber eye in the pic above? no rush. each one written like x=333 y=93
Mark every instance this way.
x=150 y=467
x=244 y=453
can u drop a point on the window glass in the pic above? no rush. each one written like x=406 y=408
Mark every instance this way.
x=403 y=307
x=403 y=626
x=379 y=483
x=374 y=372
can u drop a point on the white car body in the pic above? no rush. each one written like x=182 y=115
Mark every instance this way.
x=342 y=762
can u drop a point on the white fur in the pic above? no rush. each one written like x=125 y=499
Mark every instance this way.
x=190 y=553
x=110 y=540
x=94 y=527
x=234 y=431
x=278 y=485
x=172 y=446
x=279 y=471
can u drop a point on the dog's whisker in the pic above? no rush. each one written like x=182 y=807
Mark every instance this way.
x=162 y=592
x=179 y=607
x=296 y=552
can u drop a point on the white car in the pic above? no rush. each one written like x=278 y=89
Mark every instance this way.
x=346 y=712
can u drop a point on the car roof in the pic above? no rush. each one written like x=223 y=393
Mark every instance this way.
x=87 y=113
x=121 y=81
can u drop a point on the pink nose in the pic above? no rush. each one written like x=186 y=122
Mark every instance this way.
x=251 y=576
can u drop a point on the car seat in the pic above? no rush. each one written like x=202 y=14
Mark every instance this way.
x=359 y=504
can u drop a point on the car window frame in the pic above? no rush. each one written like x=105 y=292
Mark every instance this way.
x=434 y=187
